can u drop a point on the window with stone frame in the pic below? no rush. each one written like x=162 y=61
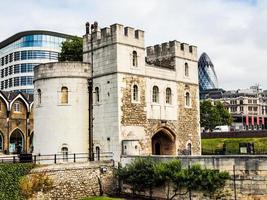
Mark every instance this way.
x=64 y=95
x=155 y=94
x=189 y=148
x=39 y=96
x=135 y=63
x=17 y=107
x=187 y=99
x=97 y=95
x=186 y=69
x=168 y=95
x=135 y=95
x=64 y=151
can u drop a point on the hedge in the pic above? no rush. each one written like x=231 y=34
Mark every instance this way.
x=10 y=175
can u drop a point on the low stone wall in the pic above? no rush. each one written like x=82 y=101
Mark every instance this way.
x=248 y=175
x=77 y=180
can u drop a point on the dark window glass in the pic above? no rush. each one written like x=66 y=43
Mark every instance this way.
x=2 y=85
x=23 y=68
x=2 y=73
x=23 y=80
x=17 y=56
x=23 y=55
x=16 y=81
x=10 y=82
x=6 y=83
x=16 y=69
x=11 y=70
x=6 y=71
x=2 y=61
x=11 y=57
x=6 y=59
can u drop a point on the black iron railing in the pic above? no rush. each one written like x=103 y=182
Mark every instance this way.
x=55 y=158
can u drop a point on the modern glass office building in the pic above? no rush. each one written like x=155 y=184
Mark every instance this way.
x=207 y=76
x=20 y=53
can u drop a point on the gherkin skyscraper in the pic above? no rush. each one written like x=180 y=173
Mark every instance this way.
x=206 y=73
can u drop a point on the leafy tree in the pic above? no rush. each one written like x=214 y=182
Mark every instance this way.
x=72 y=50
x=225 y=116
x=214 y=115
x=170 y=174
x=139 y=175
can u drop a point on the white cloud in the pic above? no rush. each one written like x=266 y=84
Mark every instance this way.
x=232 y=32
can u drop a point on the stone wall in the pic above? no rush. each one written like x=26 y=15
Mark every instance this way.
x=248 y=176
x=77 y=180
x=183 y=125
x=188 y=118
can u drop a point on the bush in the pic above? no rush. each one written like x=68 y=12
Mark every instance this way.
x=10 y=175
x=35 y=183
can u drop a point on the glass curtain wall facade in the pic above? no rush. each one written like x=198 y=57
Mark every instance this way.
x=20 y=53
x=207 y=76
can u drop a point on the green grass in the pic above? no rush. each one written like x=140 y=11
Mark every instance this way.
x=232 y=144
x=100 y=198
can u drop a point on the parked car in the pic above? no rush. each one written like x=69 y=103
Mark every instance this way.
x=223 y=128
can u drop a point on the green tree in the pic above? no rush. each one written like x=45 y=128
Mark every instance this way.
x=72 y=50
x=225 y=116
x=139 y=174
x=214 y=115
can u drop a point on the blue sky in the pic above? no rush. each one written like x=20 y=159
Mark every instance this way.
x=232 y=32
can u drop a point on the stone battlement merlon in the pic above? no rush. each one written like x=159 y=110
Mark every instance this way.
x=172 y=48
x=115 y=33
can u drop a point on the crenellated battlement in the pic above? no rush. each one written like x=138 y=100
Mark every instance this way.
x=172 y=48
x=116 y=33
x=164 y=54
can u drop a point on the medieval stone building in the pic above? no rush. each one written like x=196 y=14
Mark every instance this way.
x=146 y=99
x=16 y=122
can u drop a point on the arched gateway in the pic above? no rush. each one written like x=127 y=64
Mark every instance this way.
x=163 y=142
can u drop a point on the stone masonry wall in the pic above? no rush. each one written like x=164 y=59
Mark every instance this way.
x=248 y=176
x=188 y=118
x=185 y=128
x=76 y=180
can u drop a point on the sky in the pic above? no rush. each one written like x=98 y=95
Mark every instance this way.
x=232 y=32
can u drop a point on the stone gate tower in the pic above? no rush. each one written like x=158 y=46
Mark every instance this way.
x=145 y=100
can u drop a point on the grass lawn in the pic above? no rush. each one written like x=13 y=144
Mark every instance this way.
x=232 y=144
x=101 y=198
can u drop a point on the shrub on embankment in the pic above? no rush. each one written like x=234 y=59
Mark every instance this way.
x=10 y=175
x=144 y=175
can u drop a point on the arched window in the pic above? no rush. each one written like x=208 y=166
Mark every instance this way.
x=186 y=70
x=64 y=151
x=155 y=94
x=189 y=149
x=64 y=95
x=17 y=107
x=135 y=93
x=187 y=99
x=97 y=150
x=97 y=98
x=134 y=58
x=168 y=95
x=39 y=97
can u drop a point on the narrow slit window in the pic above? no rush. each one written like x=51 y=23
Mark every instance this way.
x=64 y=95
